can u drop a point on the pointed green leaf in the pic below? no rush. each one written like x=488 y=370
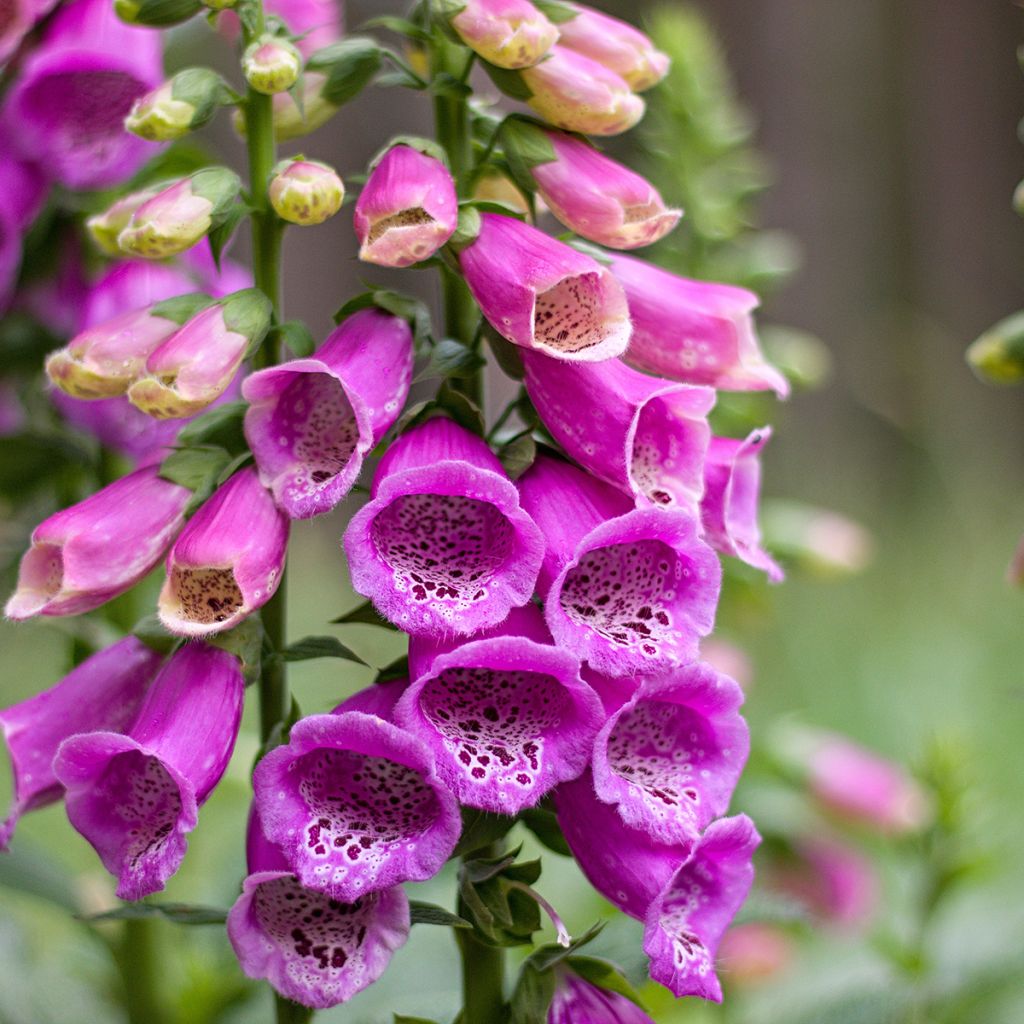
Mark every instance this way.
x=429 y=913
x=179 y=913
x=319 y=647
x=364 y=613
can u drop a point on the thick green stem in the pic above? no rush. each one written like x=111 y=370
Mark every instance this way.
x=140 y=968
x=483 y=980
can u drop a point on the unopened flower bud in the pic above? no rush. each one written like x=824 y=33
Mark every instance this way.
x=292 y=121
x=305 y=192
x=508 y=33
x=220 y=5
x=180 y=105
x=156 y=13
x=998 y=355
x=271 y=64
x=105 y=227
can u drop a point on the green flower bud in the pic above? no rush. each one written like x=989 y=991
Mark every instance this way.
x=156 y=13
x=305 y=191
x=998 y=355
x=179 y=106
x=271 y=65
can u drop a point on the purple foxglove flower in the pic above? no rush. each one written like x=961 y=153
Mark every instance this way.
x=443 y=546
x=573 y=92
x=16 y=18
x=311 y=948
x=688 y=918
x=601 y=199
x=615 y=44
x=68 y=104
x=628 y=590
x=89 y=553
x=25 y=186
x=311 y=421
x=577 y=1001
x=136 y=796
x=195 y=365
x=228 y=560
x=103 y=693
x=728 y=510
x=377 y=699
x=355 y=805
x=697 y=331
x=507 y=33
x=507 y=715
x=407 y=209
x=645 y=436
x=542 y=294
x=271 y=64
x=305 y=192
x=670 y=759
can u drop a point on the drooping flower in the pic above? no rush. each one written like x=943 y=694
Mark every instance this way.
x=507 y=33
x=305 y=192
x=89 y=553
x=506 y=713
x=645 y=436
x=696 y=331
x=136 y=796
x=271 y=64
x=311 y=421
x=407 y=210
x=178 y=106
x=102 y=693
x=542 y=294
x=577 y=1001
x=355 y=805
x=105 y=228
x=628 y=590
x=376 y=699
x=228 y=560
x=443 y=547
x=67 y=106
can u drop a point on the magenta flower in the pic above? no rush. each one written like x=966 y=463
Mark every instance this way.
x=728 y=510
x=16 y=18
x=355 y=805
x=601 y=199
x=508 y=33
x=542 y=294
x=68 y=104
x=696 y=331
x=311 y=421
x=136 y=796
x=102 y=693
x=628 y=590
x=645 y=436
x=376 y=699
x=577 y=1001
x=506 y=714
x=24 y=189
x=89 y=553
x=443 y=546
x=228 y=560
x=407 y=209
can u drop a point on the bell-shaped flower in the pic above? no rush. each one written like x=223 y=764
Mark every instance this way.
x=542 y=294
x=728 y=510
x=686 y=921
x=443 y=546
x=136 y=796
x=376 y=699
x=312 y=949
x=507 y=33
x=615 y=44
x=573 y=92
x=305 y=192
x=355 y=805
x=577 y=1001
x=271 y=64
x=645 y=436
x=102 y=693
x=228 y=560
x=195 y=365
x=66 y=108
x=311 y=421
x=696 y=331
x=179 y=106
x=89 y=553
x=505 y=712
x=630 y=591
x=599 y=198
x=407 y=209
x=670 y=758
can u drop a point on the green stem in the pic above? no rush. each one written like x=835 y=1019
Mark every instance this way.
x=483 y=980
x=137 y=961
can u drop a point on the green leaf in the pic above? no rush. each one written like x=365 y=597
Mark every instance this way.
x=532 y=996
x=297 y=336
x=450 y=358
x=503 y=913
x=245 y=642
x=511 y=83
x=480 y=829
x=518 y=455
x=400 y=1018
x=319 y=647
x=428 y=147
x=150 y=630
x=603 y=974
x=397 y=669
x=182 y=308
x=220 y=427
x=349 y=65
x=429 y=913
x=196 y=468
x=546 y=956
x=556 y=10
x=179 y=913
x=223 y=232
x=525 y=146
x=544 y=825
x=467 y=229
x=462 y=409
x=507 y=354
x=365 y=614
x=400 y=26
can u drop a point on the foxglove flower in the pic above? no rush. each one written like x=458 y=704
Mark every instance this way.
x=271 y=64
x=355 y=805
x=696 y=331
x=68 y=104
x=136 y=796
x=102 y=693
x=507 y=33
x=179 y=106
x=728 y=510
x=22 y=195
x=305 y=192
x=577 y=1001
x=376 y=699
x=687 y=919
x=601 y=199
x=311 y=948
x=228 y=560
x=311 y=421
x=443 y=546
x=628 y=590
x=89 y=553
x=542 y=294
x=105 y=228
x=18 y=17
x=615 y=44
x=506 y=713
x=645 y=436
x=573 y=92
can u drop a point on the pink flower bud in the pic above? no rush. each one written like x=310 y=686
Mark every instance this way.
x=573 y=92
x=180 y=105
x=107 y=226
x=508 y=33
x=750 y=954
x=271 y=64
x=305 y=192
x=407 y=210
